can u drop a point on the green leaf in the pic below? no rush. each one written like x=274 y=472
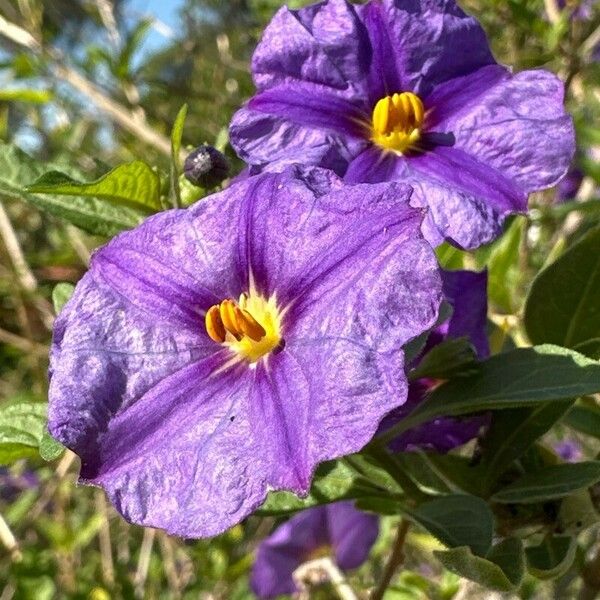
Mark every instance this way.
x=26 y=95
x=502 y=570
x=132 y=184
x=21 y=429
x=519 y=378
x=61 y=294
x=503 y=266
x=577 y=512
x=50 y=449
x=90 y=214
x=176 y=135
x=441 y=473
x=333 y=481
x=457 y=520
x=451 y=358
x=552 y=558
x=449 y=257
x=512 y=432
x=556 y=481
x=584 y=418
x=563 y=304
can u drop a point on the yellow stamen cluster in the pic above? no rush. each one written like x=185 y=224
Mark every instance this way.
x=397 y=122
x=249 y=327
x=229 y=317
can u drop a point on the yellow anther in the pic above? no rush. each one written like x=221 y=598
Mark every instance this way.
x=214 y=325
x=250 y=328
x=249 y=325
x=228 y=318
x=397 y=121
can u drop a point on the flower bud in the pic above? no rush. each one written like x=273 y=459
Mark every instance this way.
x=206 y=167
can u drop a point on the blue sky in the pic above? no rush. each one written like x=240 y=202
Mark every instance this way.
x=166 y=11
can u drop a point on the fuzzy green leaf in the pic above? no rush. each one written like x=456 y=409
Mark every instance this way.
x=93 y=215
x=563 y=306
x=132 y=184
x=21 y=428
x=61 y=294
x=552 y=558
x=457 y=520
x=555 y=481
x=50 y=449
x=525 y=377
x=502 y=570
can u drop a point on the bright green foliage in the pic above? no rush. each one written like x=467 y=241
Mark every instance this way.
x=563 y=306
x=21 y=430
x=132 y=184
x=94 y=215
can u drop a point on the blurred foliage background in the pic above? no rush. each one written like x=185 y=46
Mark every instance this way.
x=89 y=84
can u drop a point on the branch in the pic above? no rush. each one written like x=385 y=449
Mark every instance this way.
x=118 y=113
x=395 y=560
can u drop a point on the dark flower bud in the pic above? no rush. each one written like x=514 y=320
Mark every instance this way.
x=206 y=167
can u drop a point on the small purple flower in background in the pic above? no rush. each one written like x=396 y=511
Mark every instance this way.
x=569 y=450
x=406 y=90
x=567 y=189
x=11 y=484
x=579 y=9
x=338 y=530
x=466 y=292
x=213 y=354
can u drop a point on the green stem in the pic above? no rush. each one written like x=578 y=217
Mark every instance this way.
x=396 y=559
x=380 y=454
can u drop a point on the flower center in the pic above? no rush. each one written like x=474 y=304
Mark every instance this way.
x=319 y=552
x=397 y=121
x=250 y=327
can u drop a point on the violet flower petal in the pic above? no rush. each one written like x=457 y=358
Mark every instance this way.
x=179 y=436
x=352 y=533
x=501 y=127
x=349 y=533
x=272 y=142
x=430 y=41
x=325 y=44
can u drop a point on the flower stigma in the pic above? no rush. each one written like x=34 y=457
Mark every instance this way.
x=397 y=122
x=250 y=327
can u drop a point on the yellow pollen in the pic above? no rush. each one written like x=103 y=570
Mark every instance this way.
x=250 y=327
x=397 y=121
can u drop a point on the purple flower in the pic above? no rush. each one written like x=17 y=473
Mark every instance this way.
x=569 y=450
x=466 y=292
x=216 y=353
x=406 y=90
x=11 y=484
x=336 y=529
x=569 y=186
x=580 y=9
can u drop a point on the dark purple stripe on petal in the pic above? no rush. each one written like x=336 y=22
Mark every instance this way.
x=152 y=286
x=458 y=95
x=373 y=165
x=324 y=43
x=310 y=107
x=454 y=167
x=384 y=77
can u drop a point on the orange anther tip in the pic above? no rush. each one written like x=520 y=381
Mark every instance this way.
x=214 y=325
